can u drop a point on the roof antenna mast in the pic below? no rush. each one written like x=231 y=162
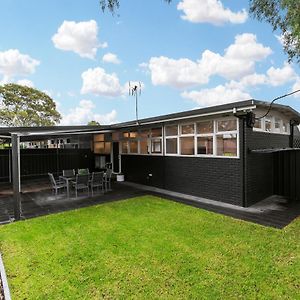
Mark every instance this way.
x=135 y=90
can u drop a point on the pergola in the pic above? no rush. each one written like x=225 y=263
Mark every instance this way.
x=16 y=135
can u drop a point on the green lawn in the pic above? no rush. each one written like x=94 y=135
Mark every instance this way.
x=149 y=248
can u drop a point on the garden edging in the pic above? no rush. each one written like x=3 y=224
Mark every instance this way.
x=4 y=289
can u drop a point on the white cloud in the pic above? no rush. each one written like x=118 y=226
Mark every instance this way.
x=84 y=113
x=111 y=58
x=218 y=95
x=177 y=73
x=210 y=11
x=25 y=82
x=238 y=61
x=280 y=76
x=97 y=81
x=81 y=38
x=13 y=63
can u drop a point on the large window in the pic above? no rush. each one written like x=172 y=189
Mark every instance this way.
x=272 y=124
x=207 y=138
x=145 y=141
x=100 y=145
x=212 y=138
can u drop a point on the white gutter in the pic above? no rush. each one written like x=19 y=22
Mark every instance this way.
x=233 y=110
x=60 y=132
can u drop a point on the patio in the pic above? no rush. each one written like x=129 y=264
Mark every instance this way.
x=38 y=200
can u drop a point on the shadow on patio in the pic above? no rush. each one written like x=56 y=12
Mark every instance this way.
x=38 y=200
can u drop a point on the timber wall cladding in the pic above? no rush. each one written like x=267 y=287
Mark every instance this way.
x=38 y=162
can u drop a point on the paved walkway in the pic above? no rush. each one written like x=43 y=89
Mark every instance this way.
x=37 y=200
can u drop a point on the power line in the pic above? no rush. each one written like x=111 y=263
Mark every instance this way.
x=275 y=99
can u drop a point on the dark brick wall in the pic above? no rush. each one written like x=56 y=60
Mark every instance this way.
x=214 y=178
x=260 y=168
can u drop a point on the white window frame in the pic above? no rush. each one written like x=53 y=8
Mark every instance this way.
x=273 y=129
x=166 y=137
x=196 y=135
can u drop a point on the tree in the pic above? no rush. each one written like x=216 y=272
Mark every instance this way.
x=93 y=123
x=282 y=15
x=112 y=5
x=25 y=106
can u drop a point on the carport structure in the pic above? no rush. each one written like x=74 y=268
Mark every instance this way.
x=18 y=135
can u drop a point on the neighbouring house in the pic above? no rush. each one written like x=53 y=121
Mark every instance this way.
x=232 y=153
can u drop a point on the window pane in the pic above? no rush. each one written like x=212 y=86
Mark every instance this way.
x=187 y=146
x=268 y=124
x=99 y=148
x=156 y=132
x=98 y=137
x=227 y=125
x=171 y=146
x=187 y=129
x=277 y=123
x=133 y=134
x=227 y=145
x=144 y=133
x=143 y=147
x=125 y=147
x=156 y=146
x=258 y=124
x=205 y=145
x=115 y=136
x=205 y=127
x=133 y=147
x=285 y=127
x=107 y=147
x=171 y=130
x=126 y=134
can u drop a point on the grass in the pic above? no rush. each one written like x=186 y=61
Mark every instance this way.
x=148 y=247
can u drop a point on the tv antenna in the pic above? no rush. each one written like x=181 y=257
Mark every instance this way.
x=135 y=90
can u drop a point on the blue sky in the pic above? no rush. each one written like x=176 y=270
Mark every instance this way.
x=188 y=54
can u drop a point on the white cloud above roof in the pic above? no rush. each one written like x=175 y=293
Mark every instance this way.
x=80 y=37
x=218 y=95
x=111 y=58
x=210 y=11
x=238 y=61
x=96 y=81
x=84 y=112
x=14 y=63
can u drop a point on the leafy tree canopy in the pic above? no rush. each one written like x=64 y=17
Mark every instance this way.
x=25 y=106
x=93 y=123
x=282 y=15
x=112 y=5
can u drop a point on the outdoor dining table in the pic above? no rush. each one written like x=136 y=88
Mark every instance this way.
x=67 y=180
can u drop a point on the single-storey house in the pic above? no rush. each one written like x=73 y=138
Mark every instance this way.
x=237 y=153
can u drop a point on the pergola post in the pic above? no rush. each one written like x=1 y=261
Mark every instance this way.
x=15 y=140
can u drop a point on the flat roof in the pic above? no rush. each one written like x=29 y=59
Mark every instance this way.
x=246 y=105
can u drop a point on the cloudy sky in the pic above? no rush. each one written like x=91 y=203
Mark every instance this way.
x=192 y=53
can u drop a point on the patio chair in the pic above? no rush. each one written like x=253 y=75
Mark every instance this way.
x=81 y=183
x=97 y=181
x=107 y=179
x=69 y=173
x=56 y=184
x=83 y=171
